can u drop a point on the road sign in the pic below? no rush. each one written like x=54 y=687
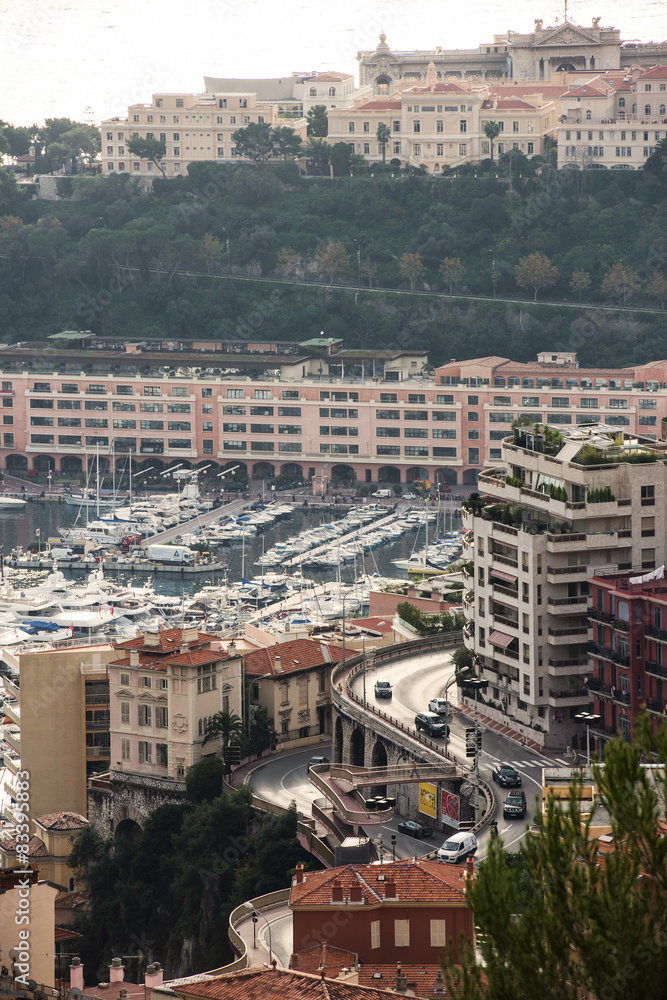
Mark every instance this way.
x=473 y=745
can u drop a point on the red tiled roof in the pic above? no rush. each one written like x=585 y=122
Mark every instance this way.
x=415 y=880
x=596 y=88
x=65 y=934
x=62 y=821
x=323 y=956
x=36 y=847
x=299 y=654
x=262 y=983
x=657 y=73
x=70 y=900
x=330 y=77
x=169 y=640
x=422 y=979
x=112 y=991
x=508 y=104
x=374 y=624
x=375 y=106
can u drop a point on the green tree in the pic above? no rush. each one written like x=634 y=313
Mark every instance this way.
x=20 y=138
x=340 y=159
x=383 y=135
x=4 y=141
x=148 y=149
x=569 y=916
x=657 y=161
x=412 y=268
x=656 y=287
x=262 y=735
x=255 y=141
x=82 y=141
x=332 y=259
x=203 y=781
x=318 y=121
x=580 y=282
x=286 y=143
x=287 y=262
x=620 y=282
x=317 y=154
x=452 y=271
x=462 y=658
x=225 y=726
x=492 y=131
x=212 y=252
x=535 y=271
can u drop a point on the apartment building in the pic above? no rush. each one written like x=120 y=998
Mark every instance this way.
x=628 y=663
x=58 y=704
x=329 y=412
x=583 y=502
x=292 y=681
x=49 y=847
x=612 y=122
x=193 y=127
x=164 y=688
x=295 y=94
x=442 y=124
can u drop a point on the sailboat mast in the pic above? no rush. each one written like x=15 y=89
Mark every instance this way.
x=97 y=496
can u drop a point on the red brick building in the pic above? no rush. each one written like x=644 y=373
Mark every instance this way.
x=262 y=983
x=404 y=911
x=628 y=654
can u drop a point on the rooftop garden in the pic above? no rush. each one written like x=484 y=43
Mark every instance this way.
x=618 y=453
x=536 y=437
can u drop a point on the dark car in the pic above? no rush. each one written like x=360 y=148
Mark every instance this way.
x=514 y=806
x=431 y=724
x=506 y=776
x=314 y=761
x=412 y=829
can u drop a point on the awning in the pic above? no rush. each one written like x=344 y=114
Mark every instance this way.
x=500 y=639
x=507 y=577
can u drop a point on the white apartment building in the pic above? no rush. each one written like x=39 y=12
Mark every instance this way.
x=194 y=128
x=560 y=510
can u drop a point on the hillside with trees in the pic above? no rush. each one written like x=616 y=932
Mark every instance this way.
x=187 y=259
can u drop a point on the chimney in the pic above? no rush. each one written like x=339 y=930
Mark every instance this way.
x=298 y=876
x=470 y=866
x=336 y=893
x=231 y=649
x=116 y=971
x=278 y=665
x=122 y=994
x=134 y=657
x=76 y=974
x=401 y=980
x=439 y=984
x=355 y=894
x=154 y=976
x=390 y=890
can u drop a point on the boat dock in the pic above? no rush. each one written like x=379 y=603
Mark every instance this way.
x=129 y=566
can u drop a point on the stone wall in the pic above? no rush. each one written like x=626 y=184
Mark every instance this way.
x=116 y=797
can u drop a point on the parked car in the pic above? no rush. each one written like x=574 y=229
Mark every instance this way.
x=412 y=829
x=382 y=688
x=409 y=496
x=514 y=806
x=314 y=761
x=438 y=705
x=431 y=724
x=457 y=847
x=507 y=776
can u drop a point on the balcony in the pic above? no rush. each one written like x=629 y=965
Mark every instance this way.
x=98 y=753
x=505 y=591
x=501 y=621
x=608 y=691
x=97 y=699
x=566 y=668
x=655 y=669
x=607 y=619
x=505 y=560
x=11 y=687
x=469 y=598
x=656 y=633
x=13 y=711
x=567 y=605
x=12 y=764
x=566 y=636
x=567 y=574
x=569 y=699
x=606 y=732
x=654 y=706
x=623 y=659
x=14 y=740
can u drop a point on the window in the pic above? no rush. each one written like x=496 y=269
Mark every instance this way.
x=261 y=411
x=558 y=401
x=162 y=717
x=502 y=400
x=501 y=418
x=618 y=404
x=388 y=397
x=647 y=421
x=8 y=419
x=261 y=428
x=125 y=712
x=416 y=432
x=237 y=411
x=178 y=408
x=375 y=933
x=416 y=414
x=38 y=404
x=145 y=752
x=150 y=407
x=473 y=435
x=402 y=933
x=463 y=125
x=382 y=449
x=387 y=414
x=444 y=400
x=179 y=443
x=438 y=934
x=40 y=438
x=416 y=125
x=473 y=456
x=449 y=432
x=588 y=403
x=151 y=425
x=350 y=126
x=144 y=714
x=235 y=394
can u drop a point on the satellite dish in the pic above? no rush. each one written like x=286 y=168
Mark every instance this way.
x=32 y=985
x=75 y=992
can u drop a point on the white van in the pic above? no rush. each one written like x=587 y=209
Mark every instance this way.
x=457 y=847
x=382 y=494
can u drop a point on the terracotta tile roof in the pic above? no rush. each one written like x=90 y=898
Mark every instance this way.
x=374 y=624
x=262 y=983
x=596 y=88
x=112 y=991
x=169 y=640
x=508 y=104
x=422 y=979
x=415 y=880
x=62 y=821
x=657 y=73
x=36 y=847
x=70 y=900
x=329 y=76
x=323 y=956
x=65 y=934
x=299 y=654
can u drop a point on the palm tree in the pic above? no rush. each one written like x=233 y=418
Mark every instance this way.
x=492 y=131
x=224 y=725
x=383 y=135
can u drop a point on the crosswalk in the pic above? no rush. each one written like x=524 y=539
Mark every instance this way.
x=526 y=763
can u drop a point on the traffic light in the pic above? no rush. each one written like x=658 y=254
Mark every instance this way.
x=471 y=748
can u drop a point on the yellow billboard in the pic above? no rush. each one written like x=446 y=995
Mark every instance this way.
x=428 y=799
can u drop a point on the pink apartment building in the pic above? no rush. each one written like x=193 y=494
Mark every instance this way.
x=316 y=413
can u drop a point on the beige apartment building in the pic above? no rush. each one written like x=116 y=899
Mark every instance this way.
x=442 y=124
x=613 y=122
x=164 y=688
x=295 y=94
x=556 y=512
x=194 y=128
x=58 y=704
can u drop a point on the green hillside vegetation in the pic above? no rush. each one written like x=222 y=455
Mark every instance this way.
x=113 y=260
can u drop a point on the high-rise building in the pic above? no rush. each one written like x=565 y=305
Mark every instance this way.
x=568 y=504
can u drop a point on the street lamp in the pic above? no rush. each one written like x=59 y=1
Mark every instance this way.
x=452 y=680
x=393 y=847
x=255 y=915
x=229 y=256
x=478 y=685
x=493 y=271
x=590 y=720
x=358 y=261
